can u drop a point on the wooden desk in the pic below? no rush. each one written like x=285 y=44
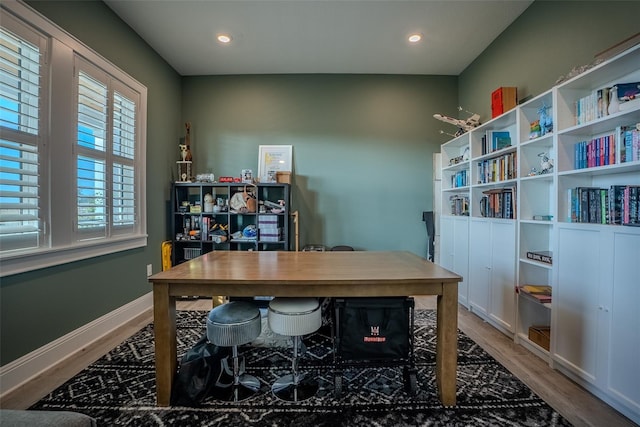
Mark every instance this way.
x=318 y=274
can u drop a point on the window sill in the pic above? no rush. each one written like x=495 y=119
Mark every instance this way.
x=22 y=263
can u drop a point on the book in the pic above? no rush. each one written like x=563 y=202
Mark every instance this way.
x=542 y=293
x=497 y=140
x=543 y=217
x=541 y=256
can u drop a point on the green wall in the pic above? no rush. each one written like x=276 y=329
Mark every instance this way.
x=41 y=306
x=362 y=147
x=546 y=42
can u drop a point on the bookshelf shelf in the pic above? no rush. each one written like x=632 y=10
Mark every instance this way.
x=594 y=272
x=536 y=263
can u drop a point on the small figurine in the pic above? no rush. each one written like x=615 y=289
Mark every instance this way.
x=546 y=164
x=534 y=129
x=614 y=101
x=184 y=152
x=187 y=142
x=546 y=122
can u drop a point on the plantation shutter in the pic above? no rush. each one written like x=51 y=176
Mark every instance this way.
x=123 y=175
x=91 y=170
x=20 y=100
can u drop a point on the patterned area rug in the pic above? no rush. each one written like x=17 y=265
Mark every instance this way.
x=119 y=389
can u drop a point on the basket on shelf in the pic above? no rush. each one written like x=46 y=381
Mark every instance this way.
x=190 y=253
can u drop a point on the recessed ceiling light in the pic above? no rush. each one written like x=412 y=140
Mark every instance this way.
x=224 y=38
x=415 y=38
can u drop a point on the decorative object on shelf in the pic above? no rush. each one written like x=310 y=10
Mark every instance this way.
x=243 y=202
x=208 y=202
x=541 y=256
x=273 y=159
x=628 y=91
x=540 y=335
x=183 y=152
x=503 y=99
x=534 y=129
x=250 y=231
x=464 y=125
x=464 y=157
x=542 y=217
x=546 y=163
x=546 y=121
x=205 y=177
x=247 y=176
x=614 y=103
x=187 y=142
x=283 y=177
x=184 y=165
x=184 y=171
x=578 y=70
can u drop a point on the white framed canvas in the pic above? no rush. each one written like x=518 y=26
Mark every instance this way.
x=273 y=159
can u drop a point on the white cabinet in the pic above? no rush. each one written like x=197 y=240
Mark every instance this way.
x=597 y=312
x=594 y=313
x=575 y=298
x=454 y=251
x=622 y=338
x=492 y=270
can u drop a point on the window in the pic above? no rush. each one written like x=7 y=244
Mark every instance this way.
x=72 y=176
x=20 y=98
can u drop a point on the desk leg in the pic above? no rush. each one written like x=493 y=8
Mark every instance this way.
x=447 y=343
x=164 y=325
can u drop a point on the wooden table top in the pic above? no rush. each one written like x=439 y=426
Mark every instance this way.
x=394 y=273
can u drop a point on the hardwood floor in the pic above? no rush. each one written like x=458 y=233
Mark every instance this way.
x=578 y=406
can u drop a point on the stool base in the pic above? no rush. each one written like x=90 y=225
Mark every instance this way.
x=248 y=386
x=284 y=388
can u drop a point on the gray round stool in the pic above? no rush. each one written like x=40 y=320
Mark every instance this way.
x=294 y=317
x=230 y=325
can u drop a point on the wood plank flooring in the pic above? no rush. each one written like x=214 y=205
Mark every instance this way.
x=578 y=406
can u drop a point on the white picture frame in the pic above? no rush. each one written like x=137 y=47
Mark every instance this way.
x=273 y=159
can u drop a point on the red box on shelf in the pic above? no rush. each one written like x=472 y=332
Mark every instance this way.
x=503 y=99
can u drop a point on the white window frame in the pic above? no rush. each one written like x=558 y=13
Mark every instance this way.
x=58 y=198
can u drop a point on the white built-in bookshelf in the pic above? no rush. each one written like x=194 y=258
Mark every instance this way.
x=572 y=231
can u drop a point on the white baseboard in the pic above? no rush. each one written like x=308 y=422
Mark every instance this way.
x=18 y=372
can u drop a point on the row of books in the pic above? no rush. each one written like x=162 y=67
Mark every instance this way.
x=630 y=144
x=617 y=205
x=597 y=104
x=494 y=140
x=592 y=106
x=460 y=179
x=497 y=169
x=459 y=205
x=498 y=203
x=619 y=147
x=599 y=151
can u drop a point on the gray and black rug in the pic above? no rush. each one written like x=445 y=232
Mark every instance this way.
x=119 y=389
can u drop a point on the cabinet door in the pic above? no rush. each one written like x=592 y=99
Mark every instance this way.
x=623 y=366
x=446 y=242
x=461 y=257
x=502 y=308
x=575 y=300
x=454 y=251
x=479 y=265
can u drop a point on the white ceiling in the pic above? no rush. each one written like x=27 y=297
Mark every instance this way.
x=318 y=36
